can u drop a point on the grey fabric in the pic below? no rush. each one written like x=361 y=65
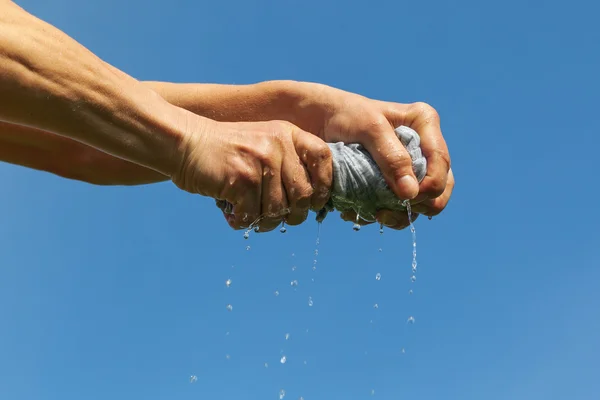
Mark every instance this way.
x=358 y=184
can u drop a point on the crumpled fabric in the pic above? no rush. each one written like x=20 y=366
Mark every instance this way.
x=358 y=184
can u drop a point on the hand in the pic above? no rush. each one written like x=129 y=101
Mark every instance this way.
x=269 y=169
x=336 y=115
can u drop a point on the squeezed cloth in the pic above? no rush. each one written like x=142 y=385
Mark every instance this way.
x=358 y=184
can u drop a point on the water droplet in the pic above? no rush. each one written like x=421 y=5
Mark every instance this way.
x=228 y=282
x=247 y=247
x=294 y=268
x=226 y=333
x=283 y=359
x=356 y=227
x=304 y=362
x=310 y=301
x=314 y=267
x=287 y=336
x=266 y=365
x=411 y=320
x=283 y=229
x=410 y=291
x=300 y=398
x=380 y=249
x=403 y=351
x=276 y=293
x=293 y=255
x=378 y=276
x=381 y=229
x=430 y=218
x=229 y=307
x=372 y=392
x=227 y=356
x=193 y=379
x=256 y=228
x=246 y=235
x=413 y=278
x=294 y=283
x=376 y=306
x=281 y=394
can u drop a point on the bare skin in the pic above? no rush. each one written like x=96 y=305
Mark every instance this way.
x=80 y=118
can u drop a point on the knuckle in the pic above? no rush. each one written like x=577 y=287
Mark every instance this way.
x=323 y=153
x=425 y=112
x=435 y=187
x=376 y=123
x=247 y=177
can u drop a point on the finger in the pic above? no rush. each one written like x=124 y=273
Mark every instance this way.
x=247 y=210
x=392 y=218
x=350 y=216
x=433 y=207
x=395 y=219
x=274 y=200
x=245 y=196
x=316 y=157
x=425 y=120
x=392 y=158
x=298 y=189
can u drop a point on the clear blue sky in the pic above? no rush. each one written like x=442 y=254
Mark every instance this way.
x=119 y=293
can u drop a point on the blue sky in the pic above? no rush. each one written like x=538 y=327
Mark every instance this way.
x=120 y=293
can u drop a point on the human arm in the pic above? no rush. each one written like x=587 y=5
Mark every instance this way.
x=51 y=83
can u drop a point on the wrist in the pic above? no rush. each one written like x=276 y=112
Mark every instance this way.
x=300 y=103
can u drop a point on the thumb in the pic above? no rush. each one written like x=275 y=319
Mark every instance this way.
x=394 y=161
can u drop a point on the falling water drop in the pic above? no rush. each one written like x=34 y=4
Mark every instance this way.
x=281 y=394
x=256 y=228
x=413 y=278
x=276 y=293
x=376 y=306
x=246 y=234
x=378 y=276
x=283 y=359
x=411 y=320
x=229 y=307
x=372 y=392
x=310 y=301
x=266 y=365
x=294 y=268
x=287 y=336
x=247 y=247
x=356 y=225
x=228 y=282
x=294 y=283
x=410 y=291
x=227 y=356
x=403 y=351
x=381 y=229
x=193 y=379
x=380 y=249
x=283 y=229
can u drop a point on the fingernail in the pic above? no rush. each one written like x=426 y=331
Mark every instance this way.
x=409 y=186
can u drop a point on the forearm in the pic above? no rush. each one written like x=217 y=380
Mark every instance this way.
x=264 y=101
x=45 y=151
x=50 y=82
